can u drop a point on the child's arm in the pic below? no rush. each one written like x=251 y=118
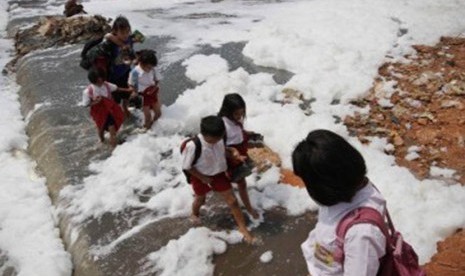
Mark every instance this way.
x=205 y=179
x=117 y=41
x=233 y=153
x=133 y=91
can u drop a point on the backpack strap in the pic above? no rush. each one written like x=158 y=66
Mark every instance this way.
x=198 y=149
x=357 y=216
x=90 y=90
x=107 y=86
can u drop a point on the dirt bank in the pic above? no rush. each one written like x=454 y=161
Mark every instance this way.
x=418 y=105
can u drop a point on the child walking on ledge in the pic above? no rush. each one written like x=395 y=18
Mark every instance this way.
x=233 y=112
x=143 y=80
x=107 y=114
x=209 y=171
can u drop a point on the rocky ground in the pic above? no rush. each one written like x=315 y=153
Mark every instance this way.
x=418 y=106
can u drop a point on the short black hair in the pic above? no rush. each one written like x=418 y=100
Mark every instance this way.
x=120 y=23
x=94 y=74
x=231 y=103
x=212 y=126
x=332 y=170
x=148 y=56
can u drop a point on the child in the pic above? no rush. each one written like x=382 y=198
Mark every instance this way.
x=209 y=171
x=119 y=46
x=233 y=112
x=143 y=79
x=334 y=175
x=106 y=114
x=72 y=8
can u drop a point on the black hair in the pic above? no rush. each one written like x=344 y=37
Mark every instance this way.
x=231 y=103
x=332 y=170
x=148 y=56
x=212 y=126
x=120 y=23
x=94 y=74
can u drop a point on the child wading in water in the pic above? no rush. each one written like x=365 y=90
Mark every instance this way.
x=143 y=79
x=233 y=112
x=209 y=171
x=118 y=45
x=334 y=175
x=106 y=114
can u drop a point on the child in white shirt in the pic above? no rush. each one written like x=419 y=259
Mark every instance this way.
x=143 y=80
x=334 y=175
x=106 y=113
x=209 y=171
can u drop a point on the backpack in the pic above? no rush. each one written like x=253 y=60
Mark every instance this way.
x=198 y=151
x=86 y=59
x=400 y=258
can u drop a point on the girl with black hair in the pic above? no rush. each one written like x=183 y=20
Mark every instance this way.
x=334 y=173
x=233 y=112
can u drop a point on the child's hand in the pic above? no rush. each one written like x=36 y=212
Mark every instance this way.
x=206 y=180
x=235 y=155
x=97 y=99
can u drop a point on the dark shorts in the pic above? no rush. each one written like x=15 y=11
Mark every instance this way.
x=220 y=183
x=109 y=122
x=118 y=96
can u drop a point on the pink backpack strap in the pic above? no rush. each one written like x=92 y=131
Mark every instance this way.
x=90 y=90
x=107 y=86
x=357 y=216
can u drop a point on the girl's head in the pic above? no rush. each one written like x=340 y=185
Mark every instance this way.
x=233 y=107
x=121 y=28
x=96 y=76
x=147 y=59
x=333 y=170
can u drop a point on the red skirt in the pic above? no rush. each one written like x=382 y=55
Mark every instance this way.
x=150 y=95
x=100 y=112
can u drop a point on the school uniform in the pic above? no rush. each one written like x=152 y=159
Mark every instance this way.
x=107 y=112
x=211 y=162
x=364 y=244
x=145 y=84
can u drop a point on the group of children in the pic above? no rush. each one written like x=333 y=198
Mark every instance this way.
x=333 y=171
x=118 y=75
x=354 y=234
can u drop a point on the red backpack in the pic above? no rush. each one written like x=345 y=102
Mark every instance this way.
x=198 y=151
x=400 y=258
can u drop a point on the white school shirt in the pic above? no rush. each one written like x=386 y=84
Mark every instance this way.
x=141 y=79
x=98 y=91
x=364 y=244
x=234 y=135
x=212 y=159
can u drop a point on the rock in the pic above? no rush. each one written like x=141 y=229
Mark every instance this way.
x=52 y=31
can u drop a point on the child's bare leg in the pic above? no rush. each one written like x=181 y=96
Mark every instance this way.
x=125 y=102
x=147 y=117
x=101 y=135
x=113 y=141
x=156 y=110
x=231 y=200
x=244 y=195
x=198 y=202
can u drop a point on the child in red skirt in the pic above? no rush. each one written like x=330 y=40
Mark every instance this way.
x=106 y=113
x=209 y=171
x=143 y=79
x=233 y=112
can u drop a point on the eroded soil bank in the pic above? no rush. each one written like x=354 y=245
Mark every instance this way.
x=418 y=105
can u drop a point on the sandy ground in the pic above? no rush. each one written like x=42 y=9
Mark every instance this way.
x=418 y=105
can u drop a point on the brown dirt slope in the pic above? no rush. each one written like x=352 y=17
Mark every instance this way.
x=418 y=105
